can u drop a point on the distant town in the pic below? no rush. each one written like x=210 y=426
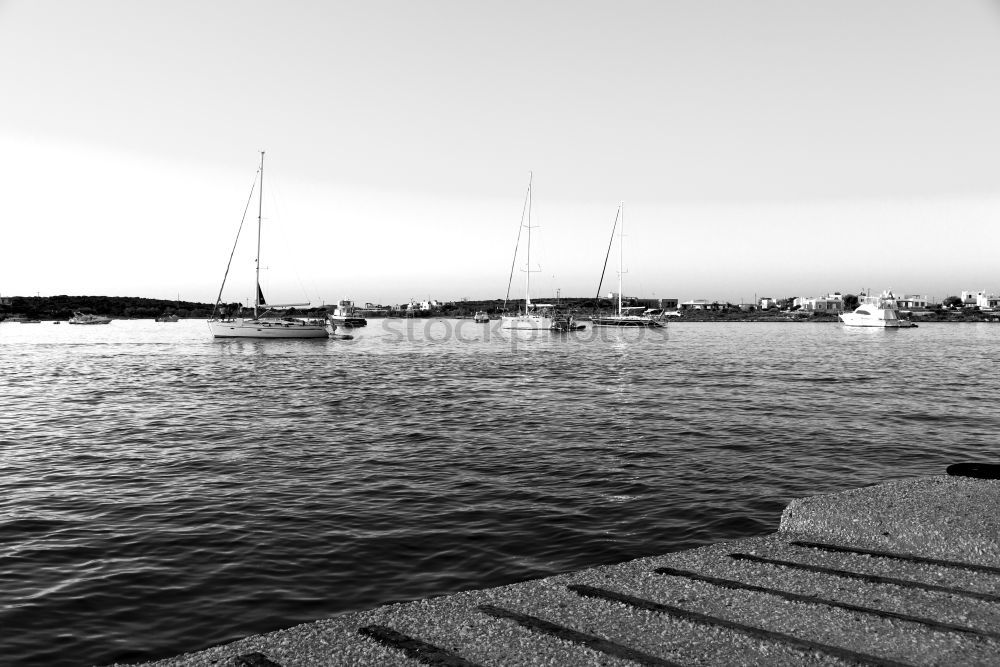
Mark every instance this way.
x=966 y=306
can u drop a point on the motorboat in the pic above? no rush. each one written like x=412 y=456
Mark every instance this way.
x=268 y=320
x=87 y=318
x=481 y=317
x=345 y=315
x=876 y=311
x=168 y=317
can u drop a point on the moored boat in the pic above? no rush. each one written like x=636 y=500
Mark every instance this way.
x=880 y=311
x=268 y=321
x=345 y=314
x=625 y=316
x=628 y=316
x=87 y=318
x=481 y=317
x=168 y=317
x=565 y=322
x=533 y=317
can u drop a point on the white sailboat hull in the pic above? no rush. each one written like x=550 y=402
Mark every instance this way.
x=626 y=321
x=526 y=322
x=266 y=328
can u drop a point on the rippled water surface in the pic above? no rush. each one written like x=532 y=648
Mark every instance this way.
x=161 y=492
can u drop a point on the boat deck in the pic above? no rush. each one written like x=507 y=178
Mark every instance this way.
x=903 y=573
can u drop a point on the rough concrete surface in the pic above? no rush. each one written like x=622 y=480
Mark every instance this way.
x=905 y=572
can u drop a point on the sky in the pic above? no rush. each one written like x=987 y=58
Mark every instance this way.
x=766 y=148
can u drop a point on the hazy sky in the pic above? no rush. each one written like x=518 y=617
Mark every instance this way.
x=761 y=147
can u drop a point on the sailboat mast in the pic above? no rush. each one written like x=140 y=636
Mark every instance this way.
x=621 y=245
x=527 y=279
x=260 y=208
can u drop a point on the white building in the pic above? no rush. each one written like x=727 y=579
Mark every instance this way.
x=767 y=302
x=972 y=298
x=987 y=301
x=912 y=302
x=831 y=303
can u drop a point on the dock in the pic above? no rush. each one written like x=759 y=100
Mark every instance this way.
x=902 y=573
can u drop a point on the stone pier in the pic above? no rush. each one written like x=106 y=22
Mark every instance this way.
x=903 y=573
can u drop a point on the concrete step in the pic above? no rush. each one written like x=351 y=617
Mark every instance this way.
x=903 y=573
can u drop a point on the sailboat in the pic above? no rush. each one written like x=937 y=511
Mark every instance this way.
x=535 y=317
x=625 y=316
x=267 y=321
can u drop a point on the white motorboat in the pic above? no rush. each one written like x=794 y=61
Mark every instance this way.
x=87 y=318
x=481 y=317
x=876 y=311
x=346 y=315
x=268 y=321
x=635 y=316
x=532 y=318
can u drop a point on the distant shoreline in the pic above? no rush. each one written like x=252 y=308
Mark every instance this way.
x=61 y=308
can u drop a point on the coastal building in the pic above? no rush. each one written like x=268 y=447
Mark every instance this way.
x=912 y=302
x=696 y=304
x=988 y=301
x=981 y=298
x=970 y=298
x=767 y=302
x=830 y=303
x=668 y=304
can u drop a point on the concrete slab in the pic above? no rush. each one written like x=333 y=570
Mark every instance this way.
x=901 y=573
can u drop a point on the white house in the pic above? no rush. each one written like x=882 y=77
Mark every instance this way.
x=970 y=298
x=987 y=301
x=767 y=302
x=912 y=302
x=831 y=303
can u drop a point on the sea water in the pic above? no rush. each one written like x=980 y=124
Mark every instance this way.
x=161 y=491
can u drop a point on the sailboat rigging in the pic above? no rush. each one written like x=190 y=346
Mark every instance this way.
x=534 y=317
x=266 y=322
x=625 y=316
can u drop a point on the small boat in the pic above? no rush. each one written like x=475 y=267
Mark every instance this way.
x=534 y=317
x=268 y=321
x=87 y=318
x=876 y=311
x=31 y=321
x=565 y=322
x=333 y=332
x=168 y=316
x=635 y=316
x=481 y=317
x=346 y=315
